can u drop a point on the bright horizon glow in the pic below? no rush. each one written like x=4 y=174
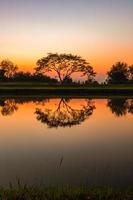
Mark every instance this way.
x=100 y=31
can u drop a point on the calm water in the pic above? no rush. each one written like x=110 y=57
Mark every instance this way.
x=66 y=141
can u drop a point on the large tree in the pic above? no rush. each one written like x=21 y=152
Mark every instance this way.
x=118 y=74
x=64 y=66
x=8 y=68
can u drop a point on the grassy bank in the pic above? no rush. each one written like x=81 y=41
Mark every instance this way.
x=40 y=88
x=65 y=193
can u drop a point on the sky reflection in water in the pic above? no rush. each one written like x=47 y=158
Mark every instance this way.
x=66 y=141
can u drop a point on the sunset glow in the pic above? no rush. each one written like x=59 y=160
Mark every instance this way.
x=98 y=30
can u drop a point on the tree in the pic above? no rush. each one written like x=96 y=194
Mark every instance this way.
x=2 y=75
x=8 y=68
x=64 y=65
x=131 y=73
x=118 y=74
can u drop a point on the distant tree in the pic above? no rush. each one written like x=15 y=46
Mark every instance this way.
x=28 y=77
x=64 y=65
x=92 y=83
x=131 y=73
x=22 y=76
x=118 y=74
x=2 y=75
x=39 y=77
x=8 y=68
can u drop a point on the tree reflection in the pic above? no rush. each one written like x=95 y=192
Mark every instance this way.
x=120 y=106
x=65 y=113
x=8 y=107
x=130 y=108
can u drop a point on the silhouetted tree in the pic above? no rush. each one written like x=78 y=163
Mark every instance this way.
x=131 y=73
x=8 y=68
x=64 y=65
x=2 y=75
x=38 y=77
x=28 y=77
x=64 y=114
x=118 y=73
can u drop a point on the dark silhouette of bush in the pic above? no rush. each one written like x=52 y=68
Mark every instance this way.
x=131 y=74
x=28 y=77
x=118 y=74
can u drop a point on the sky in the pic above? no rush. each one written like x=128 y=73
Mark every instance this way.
x=101 y=31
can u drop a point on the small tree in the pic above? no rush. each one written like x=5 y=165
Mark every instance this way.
x=8 y=68
x=131 y=73
x=64 y=65
x=118 y=74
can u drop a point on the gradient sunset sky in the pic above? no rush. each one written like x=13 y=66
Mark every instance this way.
x=100 y=31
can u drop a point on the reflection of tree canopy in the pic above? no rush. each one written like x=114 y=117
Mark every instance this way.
x=65 y=114
x=8 y=107
x=130 y=109
x=120 y=106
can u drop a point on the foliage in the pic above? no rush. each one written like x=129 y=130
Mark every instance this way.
x=8 y=68
x=118 y=73
x=64 y=65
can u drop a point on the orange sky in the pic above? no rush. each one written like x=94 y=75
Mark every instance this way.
x=99 y=31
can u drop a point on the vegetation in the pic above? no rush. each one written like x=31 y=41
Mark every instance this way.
x=58 y=69
x=65 y=193
x=120 y=73
x=65 y=65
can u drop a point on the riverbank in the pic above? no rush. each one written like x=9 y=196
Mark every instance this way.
x=65 y=193
x=40 y=89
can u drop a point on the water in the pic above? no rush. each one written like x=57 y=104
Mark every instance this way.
x=66 y=141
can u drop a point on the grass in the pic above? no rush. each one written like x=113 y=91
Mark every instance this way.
x=65 y=193
x=42 y=88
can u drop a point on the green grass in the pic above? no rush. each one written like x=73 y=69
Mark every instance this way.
x=65 y=193
x=45 y=85
x=24 y=85
x=44 y=89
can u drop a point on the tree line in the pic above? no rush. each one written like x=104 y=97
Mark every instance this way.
x=64 y=66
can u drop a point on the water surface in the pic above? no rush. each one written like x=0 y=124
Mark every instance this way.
x=66 y=141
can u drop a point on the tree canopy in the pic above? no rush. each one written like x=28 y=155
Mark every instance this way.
x=118 y=73
x=8 y=68
x=64 y=65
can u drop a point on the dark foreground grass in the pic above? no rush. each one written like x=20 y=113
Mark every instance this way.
x=41 y=88
x=65 y=193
